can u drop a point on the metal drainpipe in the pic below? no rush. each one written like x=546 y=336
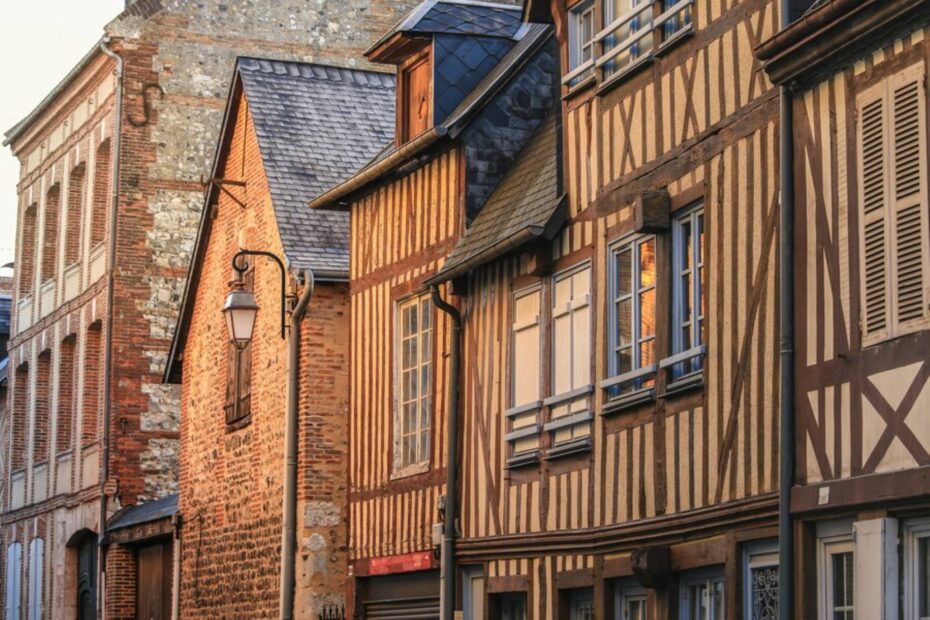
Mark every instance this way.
x=786 y=310
x=289 y=529
x=108 y=357
x=447 y=573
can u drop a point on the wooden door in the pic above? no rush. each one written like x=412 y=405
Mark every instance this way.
x=153 y=582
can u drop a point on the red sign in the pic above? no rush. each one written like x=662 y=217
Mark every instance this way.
x=406 y=563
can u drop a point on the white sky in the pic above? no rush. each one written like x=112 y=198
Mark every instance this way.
x=40 y=41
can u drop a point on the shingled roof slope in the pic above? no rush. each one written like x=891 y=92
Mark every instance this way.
x=521 y=207
x=468 y=17
x=315 y=125
x=145 y=513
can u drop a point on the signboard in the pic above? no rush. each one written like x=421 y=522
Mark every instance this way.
x=406 y=563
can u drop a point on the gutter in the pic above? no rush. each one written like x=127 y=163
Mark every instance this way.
x=374 y=171
x=108 y=357
x=786 y=334
x=447 y=570
x=289 y=528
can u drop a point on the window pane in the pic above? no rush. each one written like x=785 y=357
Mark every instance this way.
x=624 y=360
x=842 y=585
x=764 y=583
x=923 y=576
x=424 y=414
x=647 y=316
x=647 y=263
x=424 y=447
x=425 y=314
x=685 y=295
x=625 y=320
x=410 y=353
x=647 y=353
x=624 y=272
x=685 y=244
x=410 y=418
x=409 y=447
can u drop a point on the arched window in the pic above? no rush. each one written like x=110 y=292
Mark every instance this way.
x=25 y=264
x=14 y=580
x=36 y=578
x=101 y=194
x=50 y=232
x=77 y=190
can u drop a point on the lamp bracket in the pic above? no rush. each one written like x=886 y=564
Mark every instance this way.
x=242 y=266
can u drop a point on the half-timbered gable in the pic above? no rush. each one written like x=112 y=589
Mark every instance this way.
x=620 y=392
x=858 y=74
x=409 y=207
x=291 y=129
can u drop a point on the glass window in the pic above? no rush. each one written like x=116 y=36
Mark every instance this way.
x=842 y=585
x=702 y=596
x=581 y=604
x=629 y=600
x=677 y=21
x=688 y=331
x=835 y=568
x=760 y=581
x=917 y=569
x=14 y=575
x=511 y=606
x=633 y=312
x=414 y=354
x=632 y=37
x=581 y=41
x=570 y=405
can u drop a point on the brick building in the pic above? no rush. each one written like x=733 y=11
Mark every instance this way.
x=109 y=197
x=291 y=130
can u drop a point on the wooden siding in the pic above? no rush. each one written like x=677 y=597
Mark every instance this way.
x=861 y=409
x=399 y=235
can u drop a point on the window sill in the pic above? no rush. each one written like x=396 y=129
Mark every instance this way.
x=581 y=87
x=237 y=425
x=687 y=383
x=576 y=446
x=523 y=460
x=675 y=39
x=629 y=401
x=409 y=471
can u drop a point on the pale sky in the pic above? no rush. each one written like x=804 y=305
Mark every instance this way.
x=40 y=41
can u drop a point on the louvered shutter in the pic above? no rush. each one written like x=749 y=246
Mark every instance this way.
x=909 y=196
x=893 y=202
x=872 y=191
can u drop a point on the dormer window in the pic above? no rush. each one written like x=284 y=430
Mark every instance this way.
x=414 y=107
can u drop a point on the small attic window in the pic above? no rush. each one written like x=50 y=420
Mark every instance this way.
x=414 y=96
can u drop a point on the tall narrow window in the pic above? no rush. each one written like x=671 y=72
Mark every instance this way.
x=64 y=428
x=20 y=418
x=50 y=232
x=413 y=389
x=632 y=331
x=687 y=296
x=702 y=596
x=102 y=165
x=14 y=580
x=239 y=373
x=36 y=578
x=43 y=408
x=580 y=42
x=895 y=269
x=77 y=190
x=836 y=578
x=525 y=376
x=570 y=405
x=760 y=581
x=917 y=569
x=93 y=383
x=25 y=266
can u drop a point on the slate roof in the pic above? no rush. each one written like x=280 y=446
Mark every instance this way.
x=468 y=17
x=520 y=208
x=145 y=513
x=315 y=125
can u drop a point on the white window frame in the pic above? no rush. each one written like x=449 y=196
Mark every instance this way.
x=579 y=67
x=760 y=554
x=686 y=365
x=637 y=384
x=523 y=417
x=576 y=402
x=708 y=578
x=36 y=579
x=627 y=591
x=403 y=468
x=14 y=581
x=915 y=531
x=827 y=547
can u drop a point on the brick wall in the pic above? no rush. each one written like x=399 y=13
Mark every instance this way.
x=231 y=478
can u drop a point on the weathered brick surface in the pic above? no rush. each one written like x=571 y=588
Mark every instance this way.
x=231 y=478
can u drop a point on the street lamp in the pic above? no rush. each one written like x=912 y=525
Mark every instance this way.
x=240 y=310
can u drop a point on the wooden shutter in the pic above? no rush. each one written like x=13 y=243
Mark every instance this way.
x=893 y=199
x=872 y=191
x=909 y=197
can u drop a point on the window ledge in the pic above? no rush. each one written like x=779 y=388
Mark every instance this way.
x=561 y=398
x=410 y=470
x=685 y=33
x=232 y=427
x=629 y=401
x=624 y=74
x=523 y=460
x=687 y=383
x=580 y=87
x=568 y=448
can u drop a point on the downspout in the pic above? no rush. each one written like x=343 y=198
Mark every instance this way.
x=447 y=569
x=289 y=528
x=786 y=311
x=108 y=356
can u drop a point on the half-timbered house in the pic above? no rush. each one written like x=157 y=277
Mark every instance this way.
x=291 y=130
x=857 y=72
x=474 y=86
